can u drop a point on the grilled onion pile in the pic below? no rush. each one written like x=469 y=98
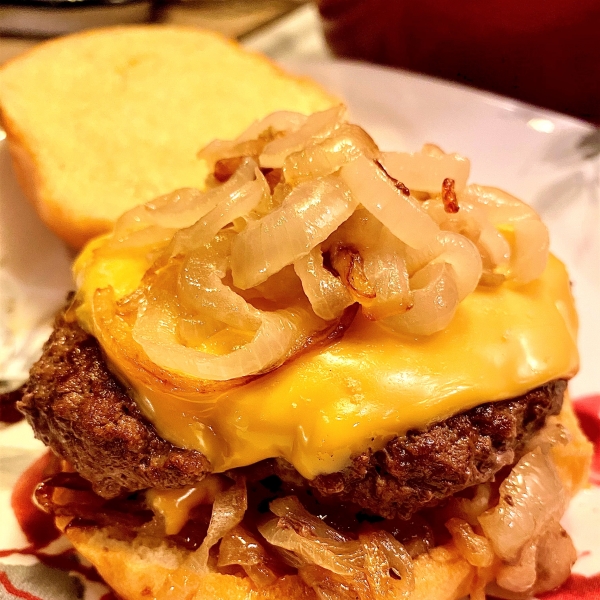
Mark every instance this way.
x=304 y=221
x=508 y=529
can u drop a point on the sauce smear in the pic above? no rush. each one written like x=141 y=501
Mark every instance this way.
x=39 y=529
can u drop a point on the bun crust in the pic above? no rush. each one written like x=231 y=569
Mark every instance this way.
x=101 y=121
x=151 y=572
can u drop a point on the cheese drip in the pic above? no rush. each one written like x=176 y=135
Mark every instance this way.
x=330 y=404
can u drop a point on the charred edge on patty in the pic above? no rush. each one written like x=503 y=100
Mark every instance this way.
x=422 y=468
x=77 y=407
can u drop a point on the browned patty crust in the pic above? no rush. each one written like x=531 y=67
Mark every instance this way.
x=77 y=407
x=423 y=467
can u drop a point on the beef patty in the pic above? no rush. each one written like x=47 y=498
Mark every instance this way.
x=423 y=467
x=77 y=407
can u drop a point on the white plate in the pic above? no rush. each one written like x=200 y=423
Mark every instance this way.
x=535 y=154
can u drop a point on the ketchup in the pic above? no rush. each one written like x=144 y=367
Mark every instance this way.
x=545 y=52
x=39 y=529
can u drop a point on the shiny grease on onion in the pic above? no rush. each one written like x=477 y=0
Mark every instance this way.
x=304 y=221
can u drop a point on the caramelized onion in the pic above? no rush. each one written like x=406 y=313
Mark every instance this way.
x=531 y=497
x=318 y=126
x=349 y=264
x=309 y=538
x=435 y=298
x=520 y=576
x=155 y=222
x=455 y=250
x=228 y=511
x=449 y=196
x=369 y=260
x=529 y=252
x=275 y=335
x=242 y=277
x=239 y=202
x=425 y=171
x=476 y=549
x=469 y=509
x=311 y=212
x=324 y=158
x=201 y=287
x=542 y=566
x=281 y=121
x=401 y=214
x=386 y=271
x=520 y=256
x=384 y=554
x=278 y=335
x=327 y=294
x=334 y=565
x=495 y=250
x=252 y=141
x=499 y=206
x=328 y=585
x=556 y=555
x=238 y=547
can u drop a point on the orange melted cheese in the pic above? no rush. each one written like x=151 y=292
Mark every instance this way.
x=330 y=404
x=175 y=505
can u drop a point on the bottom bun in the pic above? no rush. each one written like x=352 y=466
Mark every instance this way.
x=136 y=570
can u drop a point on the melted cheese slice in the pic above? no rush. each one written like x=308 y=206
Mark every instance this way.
x=330 y=404
x=175 y=505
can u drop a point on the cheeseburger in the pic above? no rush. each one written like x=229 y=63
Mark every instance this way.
x=336 y=373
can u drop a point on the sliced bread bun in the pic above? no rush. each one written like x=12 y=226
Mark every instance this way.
x=101 y=121
x=137 y=570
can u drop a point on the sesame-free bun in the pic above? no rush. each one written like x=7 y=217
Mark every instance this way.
x=138 y=570
x=101 y=121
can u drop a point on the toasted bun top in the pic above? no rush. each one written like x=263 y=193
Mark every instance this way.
x=101 y=121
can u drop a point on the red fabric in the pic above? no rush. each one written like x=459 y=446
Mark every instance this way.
x=576 y=587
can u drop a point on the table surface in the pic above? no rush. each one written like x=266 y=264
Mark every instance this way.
x=282 y=29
